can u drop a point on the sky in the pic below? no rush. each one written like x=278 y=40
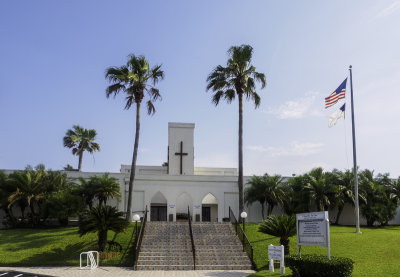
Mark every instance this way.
x=54 y=55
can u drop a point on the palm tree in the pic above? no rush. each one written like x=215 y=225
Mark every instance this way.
x=6 y=188
x=394 y=190
x=87 y=191
x=273 y=192
x=237 y=78
x=134 y=79
x=320 y=190
x=81 y=140
x=101 y=219
x=283 y=226
x=256 y=192
x=106 y=187
x=29 y=189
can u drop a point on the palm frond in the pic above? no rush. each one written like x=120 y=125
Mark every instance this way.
x=150 y=108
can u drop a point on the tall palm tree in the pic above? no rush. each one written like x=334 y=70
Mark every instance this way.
x=134 y=79
x=256 y=192
x=81 y=140
x=239 y=78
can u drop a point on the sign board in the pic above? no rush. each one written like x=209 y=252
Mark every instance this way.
x=313 y=230
x=197 y=207
x=276 y=253
x=171 y=206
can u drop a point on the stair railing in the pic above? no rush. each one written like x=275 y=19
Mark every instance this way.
x=140 y=237
x=191 y=238
x=242 y=236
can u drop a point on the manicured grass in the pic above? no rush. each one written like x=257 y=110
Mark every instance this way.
x=57 y=247
x=376 y=252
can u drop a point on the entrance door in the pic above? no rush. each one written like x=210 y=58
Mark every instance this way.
x=158 y=213
x=206 y=214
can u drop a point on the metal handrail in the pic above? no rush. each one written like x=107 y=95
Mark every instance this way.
x=191 y=237
x=140 y=237
x=242 y=237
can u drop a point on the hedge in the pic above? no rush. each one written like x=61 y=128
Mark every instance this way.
x=319 y=266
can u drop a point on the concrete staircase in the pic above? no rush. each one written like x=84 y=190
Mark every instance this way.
x=167 y=246
x=218 y=247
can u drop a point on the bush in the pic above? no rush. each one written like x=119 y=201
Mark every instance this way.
x=319 y=266
x=181 y=216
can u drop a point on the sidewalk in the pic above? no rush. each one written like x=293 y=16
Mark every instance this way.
x=126 y=272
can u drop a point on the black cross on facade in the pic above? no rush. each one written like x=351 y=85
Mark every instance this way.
x=181 y=154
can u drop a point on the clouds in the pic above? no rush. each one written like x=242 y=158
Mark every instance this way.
x=298 y=108
x=392 y=8
x=294 y=148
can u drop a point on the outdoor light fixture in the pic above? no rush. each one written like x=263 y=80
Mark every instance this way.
x=243 y=215
x=136 y=218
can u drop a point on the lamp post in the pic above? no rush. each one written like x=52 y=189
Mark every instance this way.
x=136 y=218
x=243 y=215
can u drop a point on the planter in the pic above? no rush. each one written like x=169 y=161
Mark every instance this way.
x=108 y=255
x=277 y=264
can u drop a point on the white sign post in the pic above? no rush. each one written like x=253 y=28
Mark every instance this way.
x=276 y=253
x=313 y=230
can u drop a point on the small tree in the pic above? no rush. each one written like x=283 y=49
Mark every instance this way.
x=106 y=187
x=256 y=192
x=101 y=219
x=282 y=226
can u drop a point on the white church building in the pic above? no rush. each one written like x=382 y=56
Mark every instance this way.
x=208 y=192
x=170 y=190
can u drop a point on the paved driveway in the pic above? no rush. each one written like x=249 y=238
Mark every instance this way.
x=117 y=271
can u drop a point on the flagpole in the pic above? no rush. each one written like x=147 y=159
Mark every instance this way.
x=357 y=208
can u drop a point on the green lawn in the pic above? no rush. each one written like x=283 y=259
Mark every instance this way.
x=57 y=247
x=376 y=252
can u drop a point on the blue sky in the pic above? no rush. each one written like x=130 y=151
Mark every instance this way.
x=54 y=54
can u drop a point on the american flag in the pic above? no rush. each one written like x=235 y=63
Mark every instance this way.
x=336 y=95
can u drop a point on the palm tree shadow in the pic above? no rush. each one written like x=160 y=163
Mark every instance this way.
x=57 y=256
x=261 y=240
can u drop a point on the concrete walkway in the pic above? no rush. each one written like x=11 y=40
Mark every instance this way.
x=126 y=272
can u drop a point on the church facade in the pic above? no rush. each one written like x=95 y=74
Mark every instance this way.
x=168 y=191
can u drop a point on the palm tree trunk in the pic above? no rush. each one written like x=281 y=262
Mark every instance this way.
x=102 y=240
x=133 y=167
x=80 y=161
x=262 y=210
x=285 y=243
x=240 y=179
x=340 y=209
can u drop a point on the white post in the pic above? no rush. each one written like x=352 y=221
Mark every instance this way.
x=328 y=238
x=282 y=262
x=271 y=263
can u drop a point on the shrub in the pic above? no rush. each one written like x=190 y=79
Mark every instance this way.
x=319 y=266
x=282 y=226
x=181 y=216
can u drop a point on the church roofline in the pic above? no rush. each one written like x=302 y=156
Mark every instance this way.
x=180 y=125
